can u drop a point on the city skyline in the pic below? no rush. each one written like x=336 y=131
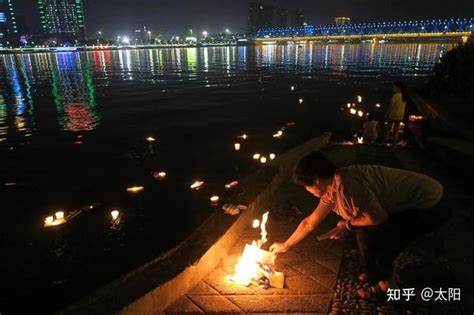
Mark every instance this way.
x=120 y=17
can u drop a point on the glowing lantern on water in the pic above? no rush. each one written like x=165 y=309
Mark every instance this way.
x=244 y=136
x=214 y=200
x=150 y=139
x=114 y=214
x=159 y=175
x=360 y=113
x=353 y=111
x=348 y=105
x=272 y=156
x=49 y=220
x=263 y=160
x=231 y=184
x=278 y=134
x=59 y=215
x=197 y=185
x=135 y=189
x=256 y=156
x=237 y=146
x=359 y=99
x=360 y=140
x=378 y=105
x=300 y=101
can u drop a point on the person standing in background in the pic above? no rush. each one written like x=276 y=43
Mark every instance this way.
x=396 y=111
x=371 y=129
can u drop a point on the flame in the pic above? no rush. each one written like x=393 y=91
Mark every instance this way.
x=256 y=223
x=360 y=140
x=197 y=185
x=353 y=111
x=249 y=266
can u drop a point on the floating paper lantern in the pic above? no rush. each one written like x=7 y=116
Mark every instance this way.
x=244 y=136
x=263 y=160
x=348 y=105
x=114 y=214
x=272 y=156
x=159 y=175
x=292 y=88
x=359 y=99
x=300 y=101
x=150 y=139
x=197 y=185
x=49 y=220
x=353 y=111
x=135 y=189
x=360 y=140
x=231 y=184
x=378 y=105
x=237 y=146
x=59 y=215
x=256 y=156
x=214 y=200
x=360 y=113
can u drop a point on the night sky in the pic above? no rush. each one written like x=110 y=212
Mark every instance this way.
x=170 y=17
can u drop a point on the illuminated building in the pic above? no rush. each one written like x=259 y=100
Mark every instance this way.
x=268 y=15
x=8 y=24
x=341 y=20
x=297 y=18
x=63 y=19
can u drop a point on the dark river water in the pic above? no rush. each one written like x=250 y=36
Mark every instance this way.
x=73 y=129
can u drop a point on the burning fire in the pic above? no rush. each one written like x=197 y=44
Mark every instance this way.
x=257 y=265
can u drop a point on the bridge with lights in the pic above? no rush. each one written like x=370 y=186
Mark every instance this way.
x=447 y=28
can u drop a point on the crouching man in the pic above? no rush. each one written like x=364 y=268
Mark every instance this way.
x=387 y=208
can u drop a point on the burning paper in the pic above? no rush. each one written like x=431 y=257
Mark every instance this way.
x=257 y=265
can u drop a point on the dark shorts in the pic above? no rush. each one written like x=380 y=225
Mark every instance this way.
x=379 y=246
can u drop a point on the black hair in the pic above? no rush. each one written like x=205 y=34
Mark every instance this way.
x=403 y=89
x=313 y=166
x=370 y=117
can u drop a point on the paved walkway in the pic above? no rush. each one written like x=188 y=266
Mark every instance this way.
x=310 y=269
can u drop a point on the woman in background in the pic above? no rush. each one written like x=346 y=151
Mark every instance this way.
x=396 y=111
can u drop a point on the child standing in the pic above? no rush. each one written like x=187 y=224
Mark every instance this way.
x=371 y=129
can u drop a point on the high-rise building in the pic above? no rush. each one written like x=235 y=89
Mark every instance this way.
x=260 y=16
x=342 y=20
x=62 y=18
x=8 y=23
x=297 y=18
x=265 y=14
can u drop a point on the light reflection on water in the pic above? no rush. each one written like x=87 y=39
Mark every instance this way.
x=73 y=78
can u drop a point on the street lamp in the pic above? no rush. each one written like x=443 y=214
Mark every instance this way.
x=227 y=30
x=125 y=40
x=204 y=33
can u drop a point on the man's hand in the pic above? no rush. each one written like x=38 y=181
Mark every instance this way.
x=336 y=234
x=278 y=248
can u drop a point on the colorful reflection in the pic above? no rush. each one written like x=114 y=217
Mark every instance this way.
x=73 y=92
